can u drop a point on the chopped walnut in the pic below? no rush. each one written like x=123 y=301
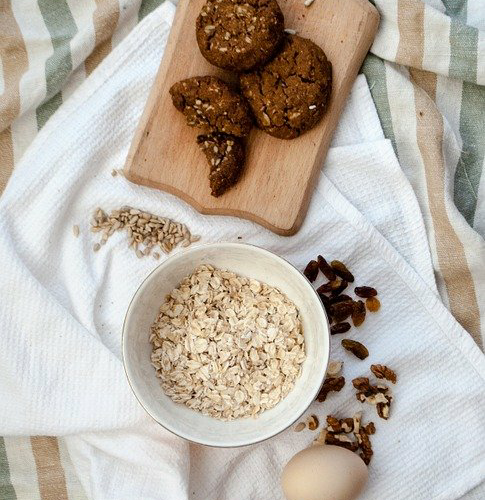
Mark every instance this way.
x=330 y=384
x=320 y=439
x=361 y=383
x=345 y=425
x=312 y=422
x=383 y=409
x=365 y=445
x=357 y=420
x=334 y=368
x=341 y=440
x=376 y=395
x=337 y=434
x=382 y=371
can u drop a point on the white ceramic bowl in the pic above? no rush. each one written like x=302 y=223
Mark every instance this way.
x=250 y=261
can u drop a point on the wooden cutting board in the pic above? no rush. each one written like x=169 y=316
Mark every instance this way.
x=279 y=175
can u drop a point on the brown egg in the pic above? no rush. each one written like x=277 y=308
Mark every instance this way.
x=324 y=472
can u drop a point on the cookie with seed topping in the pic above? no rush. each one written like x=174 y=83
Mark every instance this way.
x=211 y=104
x=239 y=35
x=290 y=94
x=225 y=155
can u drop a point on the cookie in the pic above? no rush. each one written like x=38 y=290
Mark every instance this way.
x=225 y=154
x=211 y=104
x=290 y=94
x=239 y=35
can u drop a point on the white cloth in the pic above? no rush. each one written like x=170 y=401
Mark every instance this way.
x=62 y=307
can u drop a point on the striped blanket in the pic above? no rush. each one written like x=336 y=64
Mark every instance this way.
x=426 y=72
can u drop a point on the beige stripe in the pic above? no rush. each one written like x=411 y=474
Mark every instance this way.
x=50 y=473
x=452 y=261
x=411 y=32
x=6 y=157
x=453 y=266
x=426 y=80
x=105 y=19
x=15 y=63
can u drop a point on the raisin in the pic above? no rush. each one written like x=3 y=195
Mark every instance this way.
x=341 y=287
x=341 y=311
x=358 y=313
x=326 y=304
x=373 y=304
x=339 y=328
x=365 y=291
x=326 y=269
x=340 y=298
x=356 y=348
x=328 y=287
x=341 y=270
x=311 y=270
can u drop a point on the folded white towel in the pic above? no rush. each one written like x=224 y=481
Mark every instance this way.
x=62 y=307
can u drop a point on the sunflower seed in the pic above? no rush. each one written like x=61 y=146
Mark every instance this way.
x=143 y=228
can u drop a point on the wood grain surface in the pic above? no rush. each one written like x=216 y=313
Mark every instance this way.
x=279 y=175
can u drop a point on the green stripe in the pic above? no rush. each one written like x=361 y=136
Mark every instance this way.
x=463 y=48
x=456 y=9
x=463 y=42
x=46 y=110
x=148 y=6
x=470 y=164
x=374 y=70
x=7 y=491
x=62 y=28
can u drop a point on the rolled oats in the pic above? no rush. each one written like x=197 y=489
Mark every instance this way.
x=227 y=346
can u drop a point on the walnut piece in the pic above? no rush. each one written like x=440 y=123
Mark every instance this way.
x=382 y=371
x=312 y=422
x=337 y=434
x=376 y=395
x=330 y=384
x=334 y=368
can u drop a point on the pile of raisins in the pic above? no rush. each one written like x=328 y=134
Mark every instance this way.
x=339 y=306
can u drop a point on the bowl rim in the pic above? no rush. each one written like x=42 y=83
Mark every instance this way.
x=176 y=432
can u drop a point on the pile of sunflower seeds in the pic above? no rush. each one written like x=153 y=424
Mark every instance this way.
x=146 y=232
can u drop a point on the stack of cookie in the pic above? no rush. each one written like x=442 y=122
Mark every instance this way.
x=285 y=83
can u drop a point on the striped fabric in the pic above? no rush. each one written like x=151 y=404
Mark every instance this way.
x=426 y=74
